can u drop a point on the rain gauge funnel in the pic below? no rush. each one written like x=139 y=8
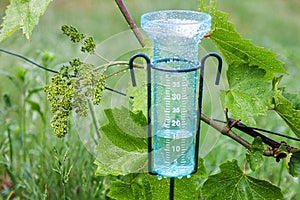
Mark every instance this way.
x=174 y=87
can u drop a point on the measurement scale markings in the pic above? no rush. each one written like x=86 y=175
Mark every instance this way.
x=167 y=149
x=183 y=161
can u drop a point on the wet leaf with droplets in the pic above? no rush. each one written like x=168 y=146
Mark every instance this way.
x=248 y=95
x=148 y=187
x=293 y=163
x=255 y=154
x=287 y=106
x=250 y=68
x=236 y=49
x=122 y=148
x=232 y=183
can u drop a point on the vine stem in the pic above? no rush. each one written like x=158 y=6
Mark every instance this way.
x=229 y=133
x=225 y=131
x=130 y=21
x=114 y=63
x=116 y=72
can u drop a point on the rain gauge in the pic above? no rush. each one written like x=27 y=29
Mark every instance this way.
x=174 y=90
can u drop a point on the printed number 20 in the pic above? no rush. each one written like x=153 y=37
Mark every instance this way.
x=176 y=122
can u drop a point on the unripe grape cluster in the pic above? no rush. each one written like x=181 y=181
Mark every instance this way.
x=98 y=89
x=75 y=36
x=75 y=85
x=60 y=94
x=69 y=92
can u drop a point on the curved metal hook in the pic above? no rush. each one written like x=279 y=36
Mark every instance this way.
x=213 y=54
x=142 y=55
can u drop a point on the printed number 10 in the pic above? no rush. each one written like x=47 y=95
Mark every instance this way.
x=176 y=148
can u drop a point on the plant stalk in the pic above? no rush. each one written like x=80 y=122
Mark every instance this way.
x=130 y=21
x=225 y=131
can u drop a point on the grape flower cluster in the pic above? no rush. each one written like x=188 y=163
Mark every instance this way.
x=60 y=94
x=68 y=92
x=75 y=85
x=75 y=36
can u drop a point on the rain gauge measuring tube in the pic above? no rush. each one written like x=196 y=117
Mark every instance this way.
x=174 y=108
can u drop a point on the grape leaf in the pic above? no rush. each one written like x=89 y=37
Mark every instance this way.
x=148 y=187
x=255 y=155
x=250 y=68
x=125 y=191
x=201 y=170
x=122 y=148
x=124 y=130
x=130 y=189
x=236 y=49
x=288 y=110
x=232 y=183
x=293 y=98
x=248 y=95
x=294 y=163
x=22 y=14
x=112 y=160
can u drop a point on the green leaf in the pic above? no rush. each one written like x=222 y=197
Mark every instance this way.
x=287 y=110
x=22 y=14
x=248 y=95
x=255 y=155
x=236 y=49
x=201 y=170
x=113 y=160
x=294 y=163
x=35 y=106
x=232 y=183
x=138 y=186
x=125 y=191
x=293 y=98
x=34 y=91
x=124 y=131
x=122 y=148
x=250 y=68
x=148 y=187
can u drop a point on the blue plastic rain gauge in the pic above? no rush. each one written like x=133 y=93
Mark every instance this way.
x=174 y=108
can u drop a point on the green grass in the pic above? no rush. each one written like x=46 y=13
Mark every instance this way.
x=38 y=163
